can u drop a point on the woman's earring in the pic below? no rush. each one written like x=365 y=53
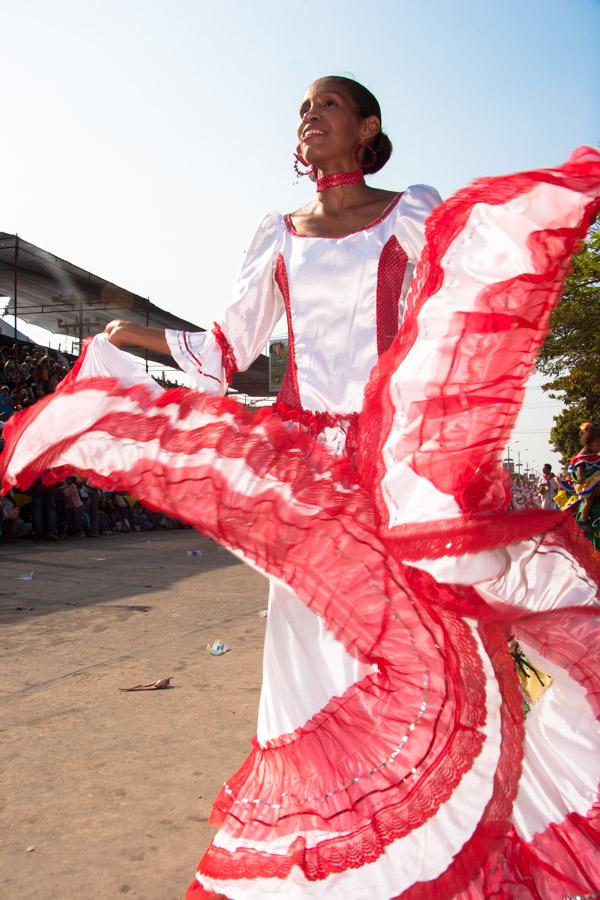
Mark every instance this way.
x=300 y=161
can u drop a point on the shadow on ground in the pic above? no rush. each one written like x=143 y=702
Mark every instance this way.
x=82 y=572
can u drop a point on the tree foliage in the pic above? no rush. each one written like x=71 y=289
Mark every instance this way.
x=570 y=355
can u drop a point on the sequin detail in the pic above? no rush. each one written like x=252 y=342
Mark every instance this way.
x=390 y=278
x=339 y=179
x=289 y=393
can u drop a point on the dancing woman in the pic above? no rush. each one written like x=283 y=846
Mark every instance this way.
x=428 y=718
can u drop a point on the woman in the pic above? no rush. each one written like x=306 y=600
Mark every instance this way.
x=584 y=469
x=392 y=757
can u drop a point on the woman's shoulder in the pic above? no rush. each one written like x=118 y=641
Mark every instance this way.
x=422 y=194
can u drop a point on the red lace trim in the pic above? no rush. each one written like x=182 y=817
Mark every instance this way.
x=230 y=366
x=390 y=278
x=289 y=393
x=466 y=465
x=468 y=533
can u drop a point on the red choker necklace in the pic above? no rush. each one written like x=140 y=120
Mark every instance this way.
x=336 y=179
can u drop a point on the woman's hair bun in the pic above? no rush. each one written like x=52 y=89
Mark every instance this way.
x=382 y=150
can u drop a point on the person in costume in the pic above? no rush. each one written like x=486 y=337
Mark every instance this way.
x=584 y=469
x=428 y=721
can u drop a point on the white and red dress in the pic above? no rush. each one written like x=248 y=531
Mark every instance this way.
x=392 y=756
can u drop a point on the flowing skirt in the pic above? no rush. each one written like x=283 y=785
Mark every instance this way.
x=397 y=753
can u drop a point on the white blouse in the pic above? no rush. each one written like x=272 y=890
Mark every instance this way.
x=343 y=298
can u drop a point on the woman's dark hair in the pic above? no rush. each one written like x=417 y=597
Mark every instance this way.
x=367 y=105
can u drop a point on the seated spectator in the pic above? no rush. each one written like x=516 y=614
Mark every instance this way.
x=120 y=522
x=9 y=370
x=10 y=514
x=140 y=519
x=169 y=524
x=6 y=401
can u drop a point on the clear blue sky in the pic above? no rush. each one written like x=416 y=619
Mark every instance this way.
x=144 y=140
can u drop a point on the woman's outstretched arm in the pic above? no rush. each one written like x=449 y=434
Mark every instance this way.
x=122 y=333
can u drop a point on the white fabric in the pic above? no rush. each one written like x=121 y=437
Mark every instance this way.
x=539 y=577
x=470 y=568
x=103 y=359
x=561 y=764
x=422 y=854
x=198 y=354
x=561 y=767
x=304 y=666
x=334 y=319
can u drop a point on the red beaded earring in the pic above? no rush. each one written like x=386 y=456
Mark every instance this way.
x=365 y=163
x=300 y=161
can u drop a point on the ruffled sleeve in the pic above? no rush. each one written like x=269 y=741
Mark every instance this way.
x=415 y=205
x=213 y=357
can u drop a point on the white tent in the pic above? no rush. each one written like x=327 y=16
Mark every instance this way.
x=7 y=329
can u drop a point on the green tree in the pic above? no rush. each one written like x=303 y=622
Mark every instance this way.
x=570 y=355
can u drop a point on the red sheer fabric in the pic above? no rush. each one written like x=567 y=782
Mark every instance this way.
x=454 y=433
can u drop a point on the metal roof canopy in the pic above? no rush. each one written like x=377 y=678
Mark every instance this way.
x=61 y=297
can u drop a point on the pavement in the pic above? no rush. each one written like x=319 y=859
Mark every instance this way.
x=106 y=794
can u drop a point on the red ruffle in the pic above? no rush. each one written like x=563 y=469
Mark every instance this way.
x=333 y=558
x=229 y=361
x=324 y=544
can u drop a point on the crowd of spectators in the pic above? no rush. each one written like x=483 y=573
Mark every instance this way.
x=28 y=373
x=73 y=507
x=525 y=493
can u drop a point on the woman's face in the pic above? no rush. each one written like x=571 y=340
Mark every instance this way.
x=330 y=126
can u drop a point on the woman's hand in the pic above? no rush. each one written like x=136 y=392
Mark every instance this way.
x=118 y=332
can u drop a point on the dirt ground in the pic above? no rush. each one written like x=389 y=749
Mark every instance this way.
x=113 y=789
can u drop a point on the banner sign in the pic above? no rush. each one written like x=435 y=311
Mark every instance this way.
x=278 y=357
